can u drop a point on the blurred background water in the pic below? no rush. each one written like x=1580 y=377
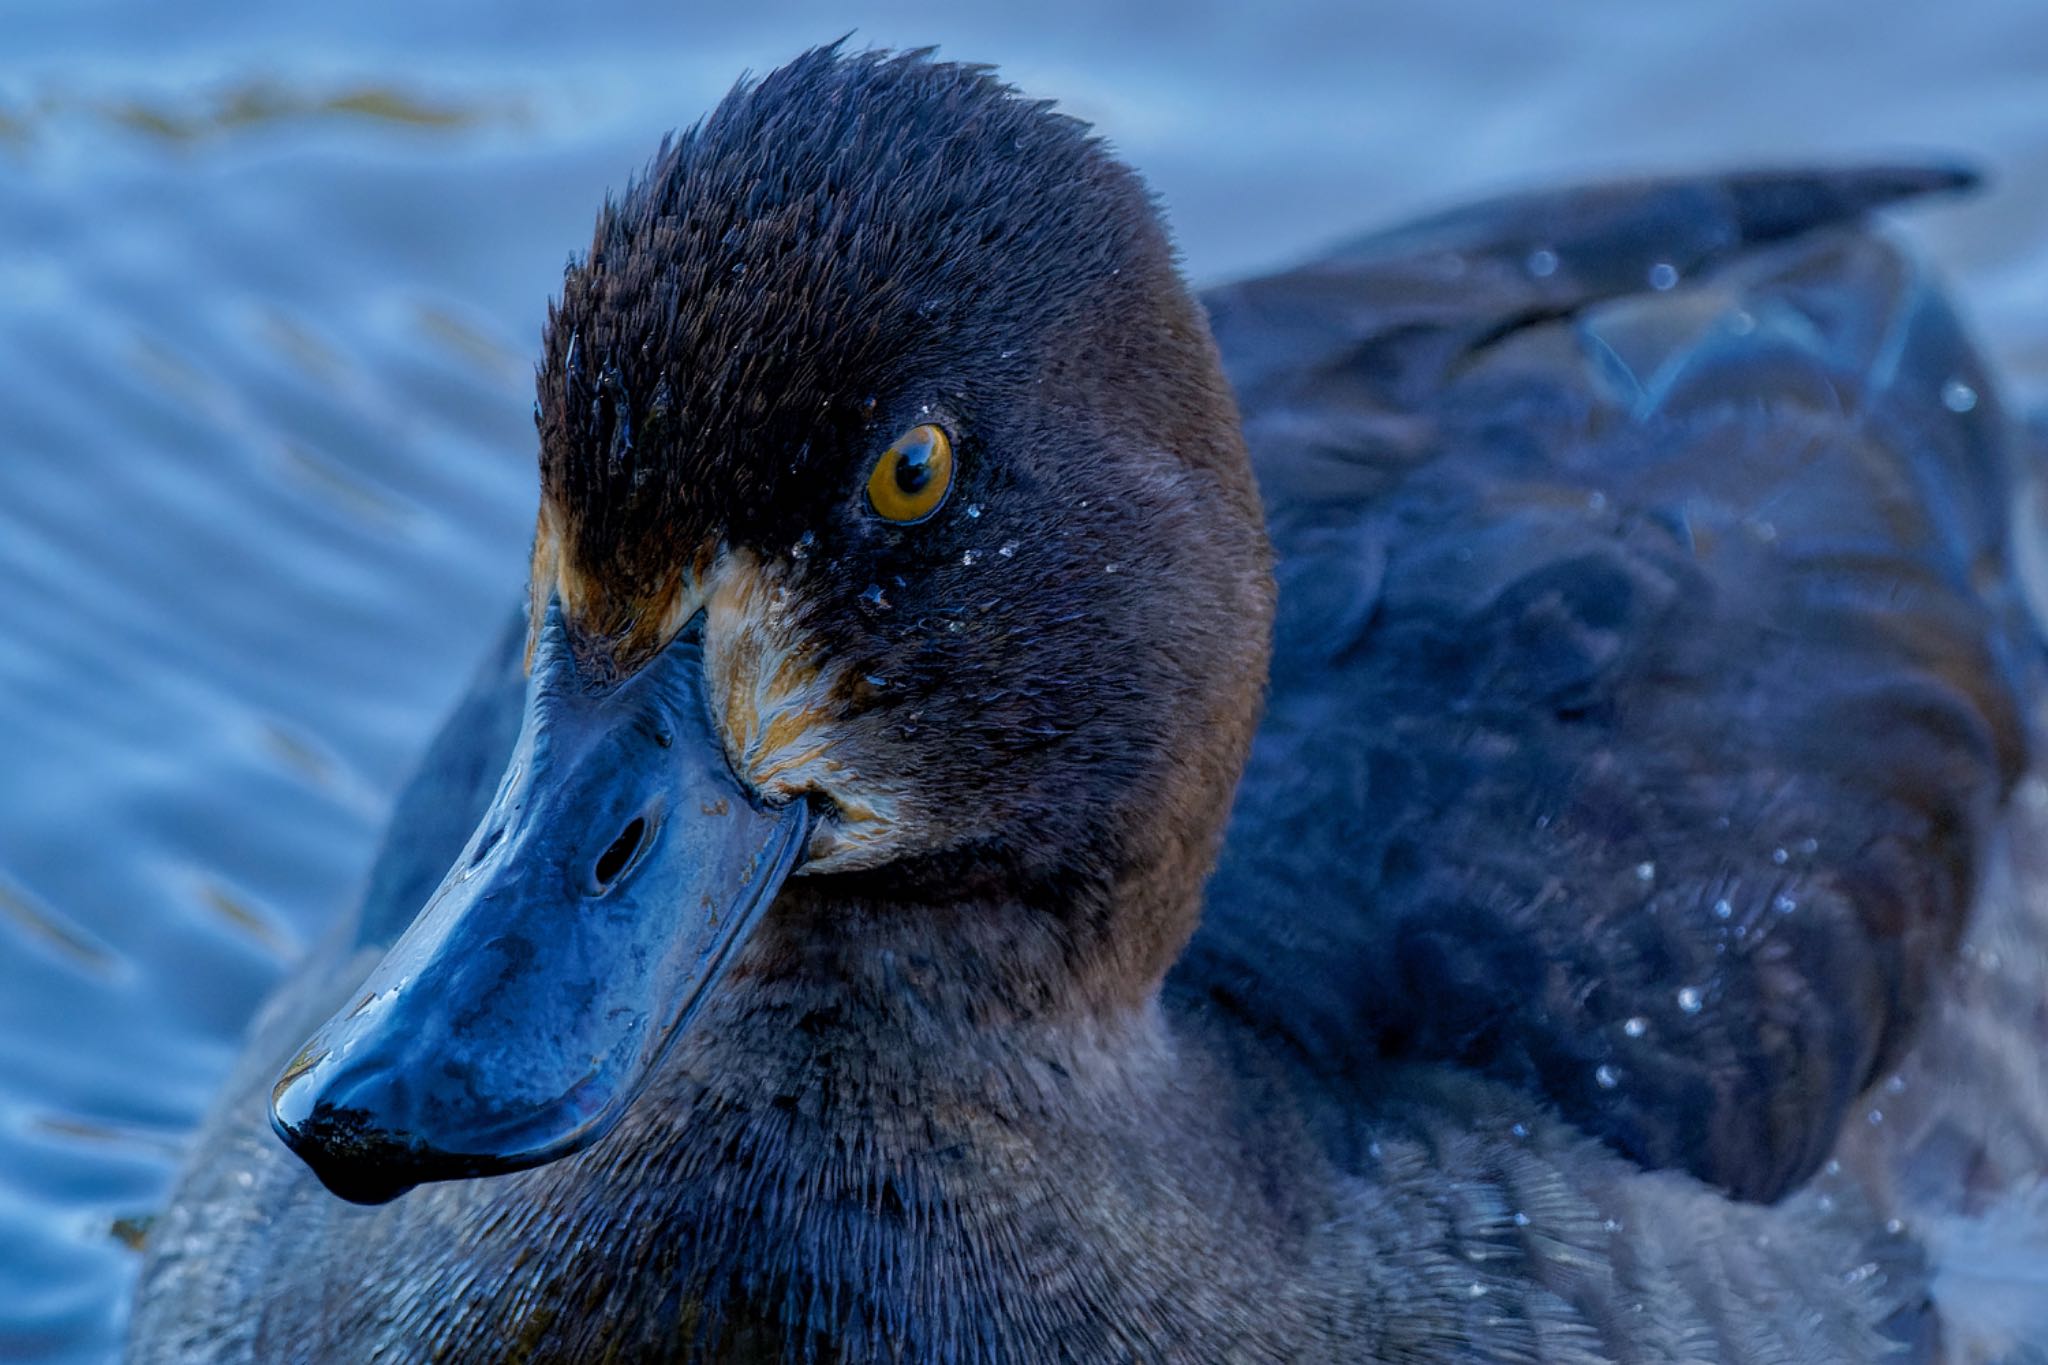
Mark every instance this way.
x=270 y=282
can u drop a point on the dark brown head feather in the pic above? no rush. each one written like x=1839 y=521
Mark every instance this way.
x=842 y=226
x=848 y=247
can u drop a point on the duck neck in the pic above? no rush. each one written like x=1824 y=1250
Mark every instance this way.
x=931 y=984
x=1020 y=956
x=922 y=1112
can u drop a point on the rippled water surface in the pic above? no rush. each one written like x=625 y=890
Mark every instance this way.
x=269 y=285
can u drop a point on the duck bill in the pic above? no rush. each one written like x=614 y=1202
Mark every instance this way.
x=609 y=886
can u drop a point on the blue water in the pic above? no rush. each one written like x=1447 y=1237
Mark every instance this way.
x=270 y=280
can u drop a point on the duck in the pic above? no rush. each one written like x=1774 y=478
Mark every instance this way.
x=1407 y=809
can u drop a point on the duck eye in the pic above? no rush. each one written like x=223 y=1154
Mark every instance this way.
x=910 y=480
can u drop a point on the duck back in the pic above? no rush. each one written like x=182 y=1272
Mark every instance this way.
x=1647 y=675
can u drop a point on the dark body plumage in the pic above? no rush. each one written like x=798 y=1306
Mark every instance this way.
x=1645 y=693
x=1672 y=636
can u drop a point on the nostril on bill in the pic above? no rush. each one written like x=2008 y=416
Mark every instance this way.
x=485 y=845
x=614 y=859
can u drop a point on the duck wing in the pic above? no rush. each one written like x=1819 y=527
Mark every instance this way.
x=1647 y=673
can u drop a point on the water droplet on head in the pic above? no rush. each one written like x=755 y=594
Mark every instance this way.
x=1894 y=1226
x=1607 y=1076
x=1809 y=845
x=1111 y=567
x=968 y=557
x=1741 y=322
x=1689 y=999
x=1663 y=275
x=1646 y=872
x=1520 y=1130
x=974 y=510
x=1895 y=1085
x=1780 y=856
x=1542 y=263
x=1520 y=1219
x=874 y=599
x=1635 y=1026
x=1597 y=500
x=1957 y=396
x=802 y=548
x=1875 y=1117
x=1722 y=909
x=1784 y=904
x=1009 y=548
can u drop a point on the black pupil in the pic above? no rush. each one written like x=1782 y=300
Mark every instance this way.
x=914 y=467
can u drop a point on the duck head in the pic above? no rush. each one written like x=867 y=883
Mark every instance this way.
x=898 y=570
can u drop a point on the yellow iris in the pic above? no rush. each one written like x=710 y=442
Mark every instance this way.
x=910 y=480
